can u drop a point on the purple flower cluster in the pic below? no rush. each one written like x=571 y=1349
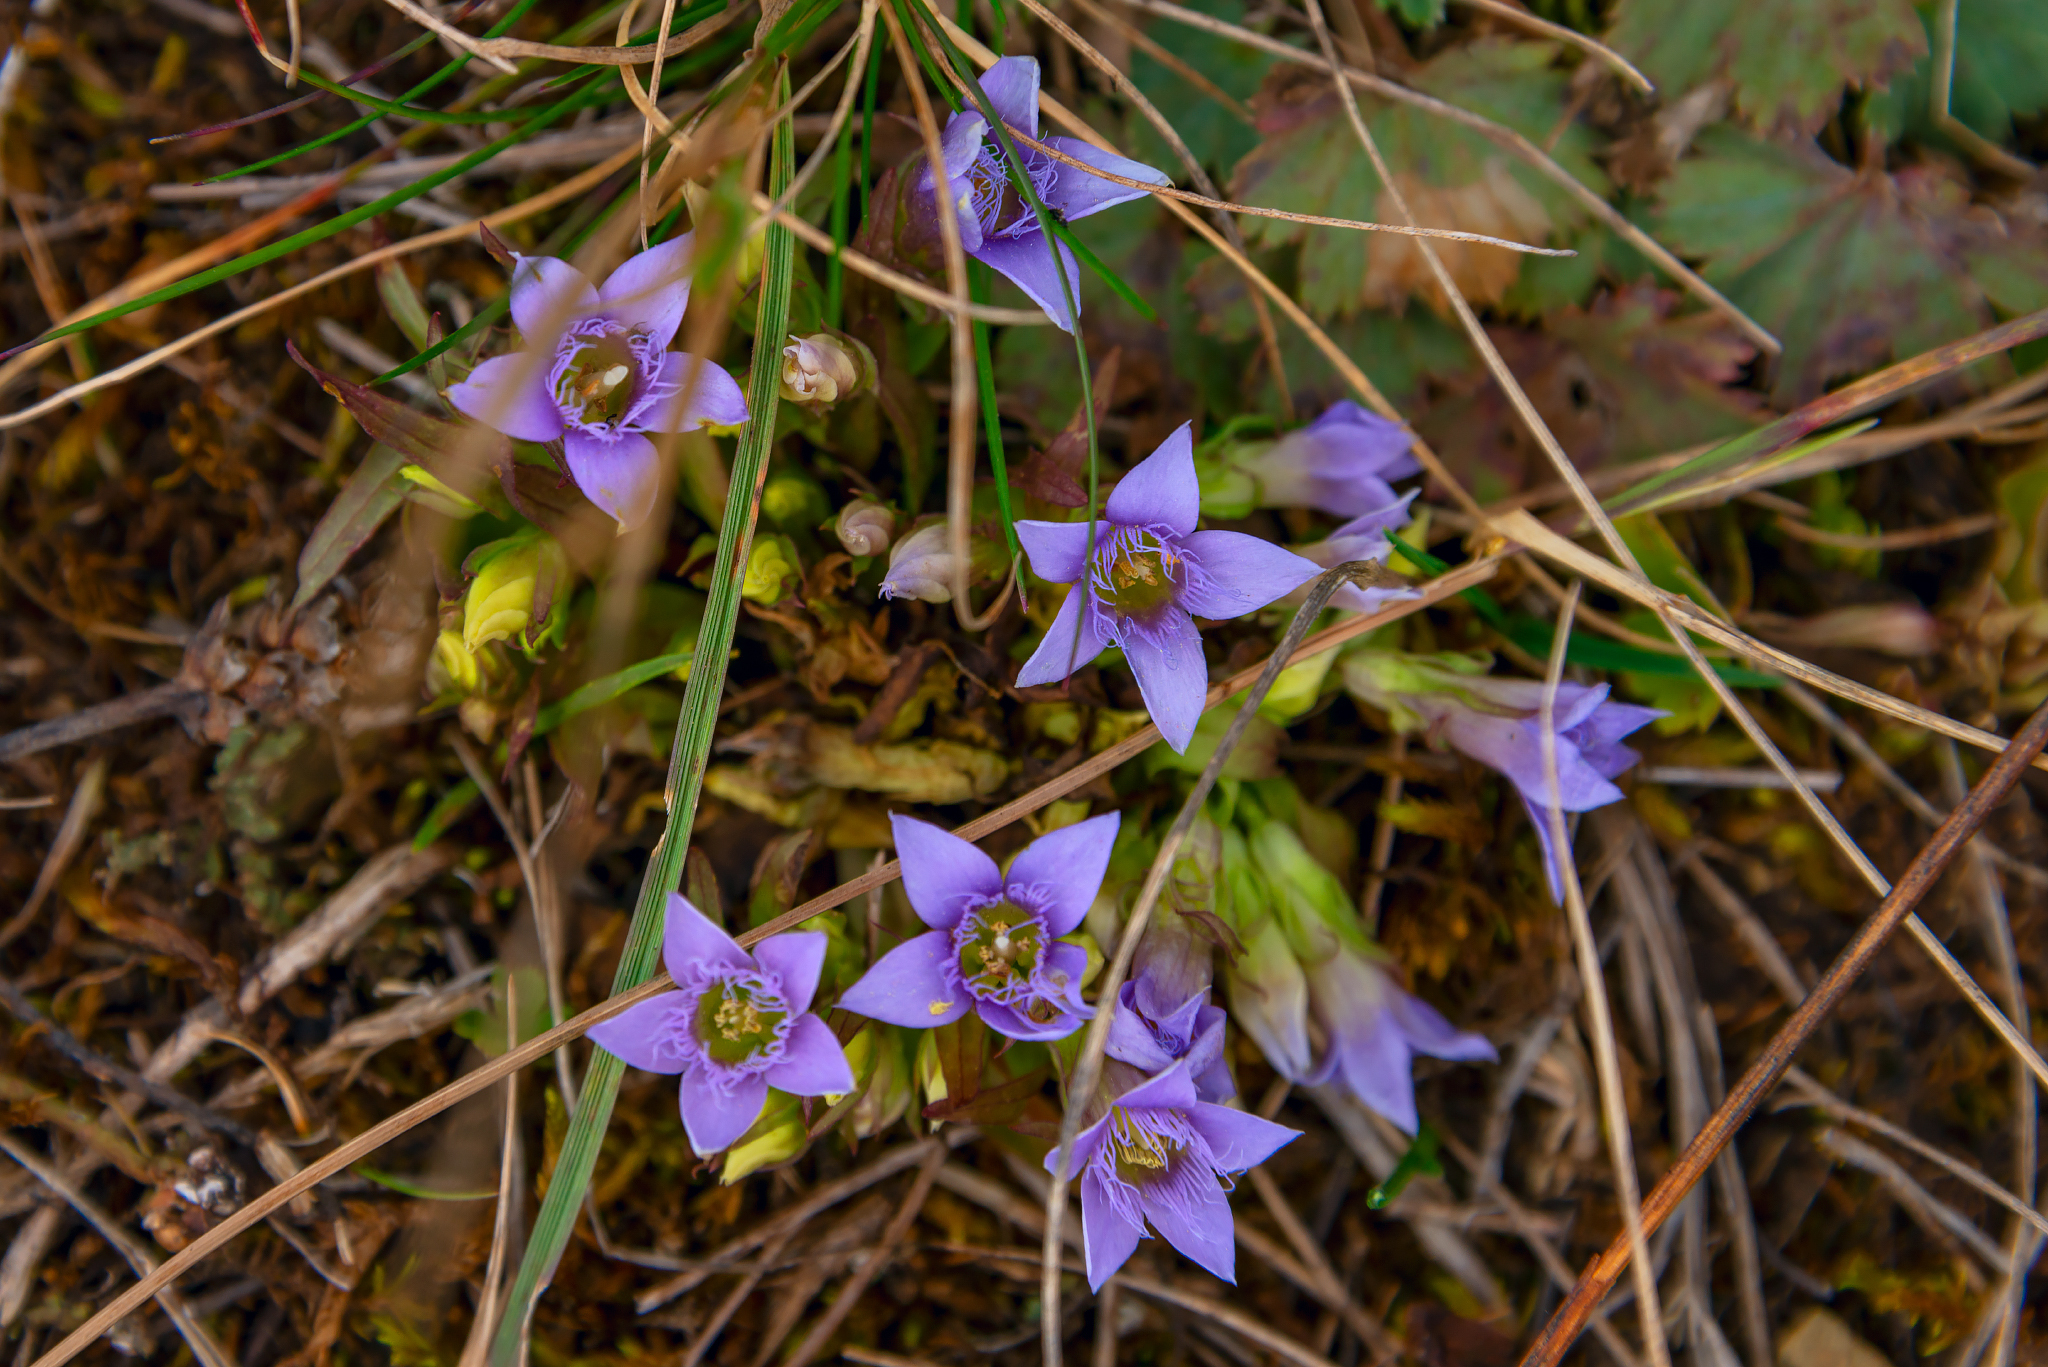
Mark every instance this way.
x=598 y=376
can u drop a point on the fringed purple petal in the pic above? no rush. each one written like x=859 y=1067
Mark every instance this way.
x=1161 y=490
x=1012 y=87
x=1107 y=1238
x=1166 y=656
x=714 y=1117
x=1236 y=1139
x=1058 y=551
x=812 y=1064
x=509 y=394
x=1060 y=654
x=652 y=1035
x=796 y=957
x=714 y=398
x=1235 y=574
x=547 y=295
x=651 y=290
x=690 y=938
x=1429 y=1033
x=1076 y=194
x=621 y=476
x=1027 y=262
x=1011 y=1023
x=1193 y=1215
x=1066 y=866
x=941 y=871
x=910 y=986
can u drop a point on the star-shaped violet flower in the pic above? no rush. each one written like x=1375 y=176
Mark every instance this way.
x=996 y=226
x=736 y=1025
x=1158 y=1157
x=994 y=944
x=597 y=373
x=1151 y=575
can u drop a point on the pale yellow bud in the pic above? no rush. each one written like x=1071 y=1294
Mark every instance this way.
x=824 y=368
x=517 y=591
x=451 y=668
x=771 y=565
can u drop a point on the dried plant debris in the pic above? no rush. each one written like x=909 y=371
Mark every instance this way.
x=464 y=557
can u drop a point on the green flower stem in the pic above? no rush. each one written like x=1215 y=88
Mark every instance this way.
x=687 y=761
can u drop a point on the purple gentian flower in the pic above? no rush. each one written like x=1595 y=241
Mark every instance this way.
x=1362 y=538
x=1152 y=574
x=597 y=373
x=996 y=226
x=737 y=1024
x=1340 y=464
x=1163 y=1012
x=994 y=944
x=1499 y=722
x=1157 y=1156
x=1375 y=1029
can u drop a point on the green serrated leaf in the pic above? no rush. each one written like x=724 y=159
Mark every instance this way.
x=1850 y=270
x=1311 y=163
x=2001 y=73
x=1788 y=60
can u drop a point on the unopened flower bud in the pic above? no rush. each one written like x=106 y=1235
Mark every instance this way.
x=921 y=566
x=772 y=570
x=865 y=527
x=1340 y=464
x=824 y=368
x=451 y=668
x=775 y=1138
x=793 y=501
x=517 y=591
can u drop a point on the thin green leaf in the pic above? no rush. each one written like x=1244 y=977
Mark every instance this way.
x=403 y=1187
x=600 y=691
x=694 y=730
x=371 y=494
x=1101 y=268
x=992 y=422
x=446 y=813
x=321 y=233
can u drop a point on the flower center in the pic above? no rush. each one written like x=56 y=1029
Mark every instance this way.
x=1138 y=574
x=735 y=1021
x=999 y=947
x=992 y=197
x=597 y=384
x=1141 y=1153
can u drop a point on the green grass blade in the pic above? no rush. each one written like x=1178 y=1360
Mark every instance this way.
x=603 y=690
x=992 y=422
x=497 y=30
x=1102 y=270
x=340 y=223
x=694 y=729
